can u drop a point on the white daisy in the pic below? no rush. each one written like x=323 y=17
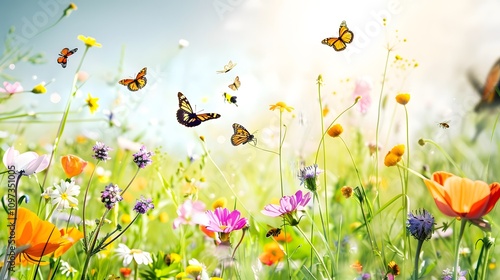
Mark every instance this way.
x=67 y=270
x=64 y=195
x=139 y=256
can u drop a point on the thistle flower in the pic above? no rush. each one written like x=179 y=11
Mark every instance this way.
x=101 y=151
x=420 y=224
x=309 y=176
x=111 y=195
x=143 y=158
x=288 y=207
x=143 y=205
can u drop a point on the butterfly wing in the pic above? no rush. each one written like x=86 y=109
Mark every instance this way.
x=339 y=43
x=136 y=84
x=491 y=88
x=227 y=67
x=187 y=117
x=241 y=135
x=345 y=34
x=336 y=43
x=236 y=84
x=63 y=61
x=63 y=56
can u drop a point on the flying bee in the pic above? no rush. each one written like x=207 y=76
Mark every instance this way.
x=273 y=232
x=444 y=125
x=231 y=99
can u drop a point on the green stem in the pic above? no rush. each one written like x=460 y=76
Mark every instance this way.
x=457 y=249
x=93 y=241
x=131 y=180
x=136 y=270
x=462 y=174
x=324 y=160
x=417 y=255
x=405 y=197
x=316 y=252
x=85 y=241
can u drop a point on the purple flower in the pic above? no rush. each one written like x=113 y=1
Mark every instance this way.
x=363 y=89
x=221 y=220
x=420 y=225
x=143 y=205
x=101 y=151
x=111 y=195
x=11 y=88
x=191 y=213
x=448 y=274
x=288 y=207
x=143 y=158
x=309 y=175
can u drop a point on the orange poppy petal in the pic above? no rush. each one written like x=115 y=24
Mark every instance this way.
x=494 y=196
x=441 y=176
x=439 y=195
x=69 y=239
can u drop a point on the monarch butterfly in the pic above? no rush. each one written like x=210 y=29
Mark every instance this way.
x=187 y=117
x=241 y=136
x=236 y=84
x=63 y=56
x=273 y=232
x=231 y=99
x=490 y=92
x=227 y=67
x=339 y=43
x=444 y=124
x=137 y=83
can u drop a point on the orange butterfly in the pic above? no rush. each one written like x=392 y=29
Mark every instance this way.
x=137 y=83
x=491 y=90
x=63 y=56
x=339 y=43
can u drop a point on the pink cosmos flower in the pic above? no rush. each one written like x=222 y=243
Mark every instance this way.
x=26 y=163
x=11 y=88
x=221 y=220
x=288 y=207
x=191 y=213
x=363 y=88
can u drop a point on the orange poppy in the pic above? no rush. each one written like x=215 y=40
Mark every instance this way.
x=34 y=237
x=461 y=197
x=272 y=254
x=69 y=237
x=72 y=165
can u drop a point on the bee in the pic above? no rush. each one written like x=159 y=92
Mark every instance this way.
x=273 y=232
x=444 y=125
x=231 y=99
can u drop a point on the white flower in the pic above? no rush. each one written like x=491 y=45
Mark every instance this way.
x=67 y=270
x=139 y=256
x=26 y=163
x=64 y=195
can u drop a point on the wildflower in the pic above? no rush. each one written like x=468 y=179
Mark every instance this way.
x=89 y=41
x=172 y=258
x=282 y=237
x=362 y=89
x=220 y=202
x=190 y=213
x=67 y=270
x=11 y=88
x=391 y=159
x=208 y=232
x=101 y=151
x=346 y=191
x=34 y=237
x=403 y=98
x=461 y=197
x=448 y=274
x=373 y=148
x=319 y=80
x=398 y=150
x=420 y=225
x=137 y=255
x=111 y=195
x=281 y=106
x=143 y=205
x=72 y=165
x=72 y=7
x=393 y=268
x=26 y=163
x=92 y=103
x=196 y=269
x=357 y=266
x=125 y=272
x=143 y=158
x=288 y=207
x=225 y=222
x=309 y=176
x=39 y=89
x=325 y=111
x=335 y=130
x=272 y=254
x=69 y=237
x=65 y=195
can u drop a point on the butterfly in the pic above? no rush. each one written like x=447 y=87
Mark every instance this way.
x=490 y=92
x=339 y=43
x=273 y=232
x=236 y=84
x=241 y=136
x=444 y=125
x=187 y=117
x=227 y=67
x=63 y=56
x=231 y=99
x=137 y=83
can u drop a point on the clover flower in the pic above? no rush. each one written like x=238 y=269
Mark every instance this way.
x=288 y=207
x=101 y=151
x=143 y=205
x=143 y=158
x=309 y=176
x=420 y=224
x=111 y=195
